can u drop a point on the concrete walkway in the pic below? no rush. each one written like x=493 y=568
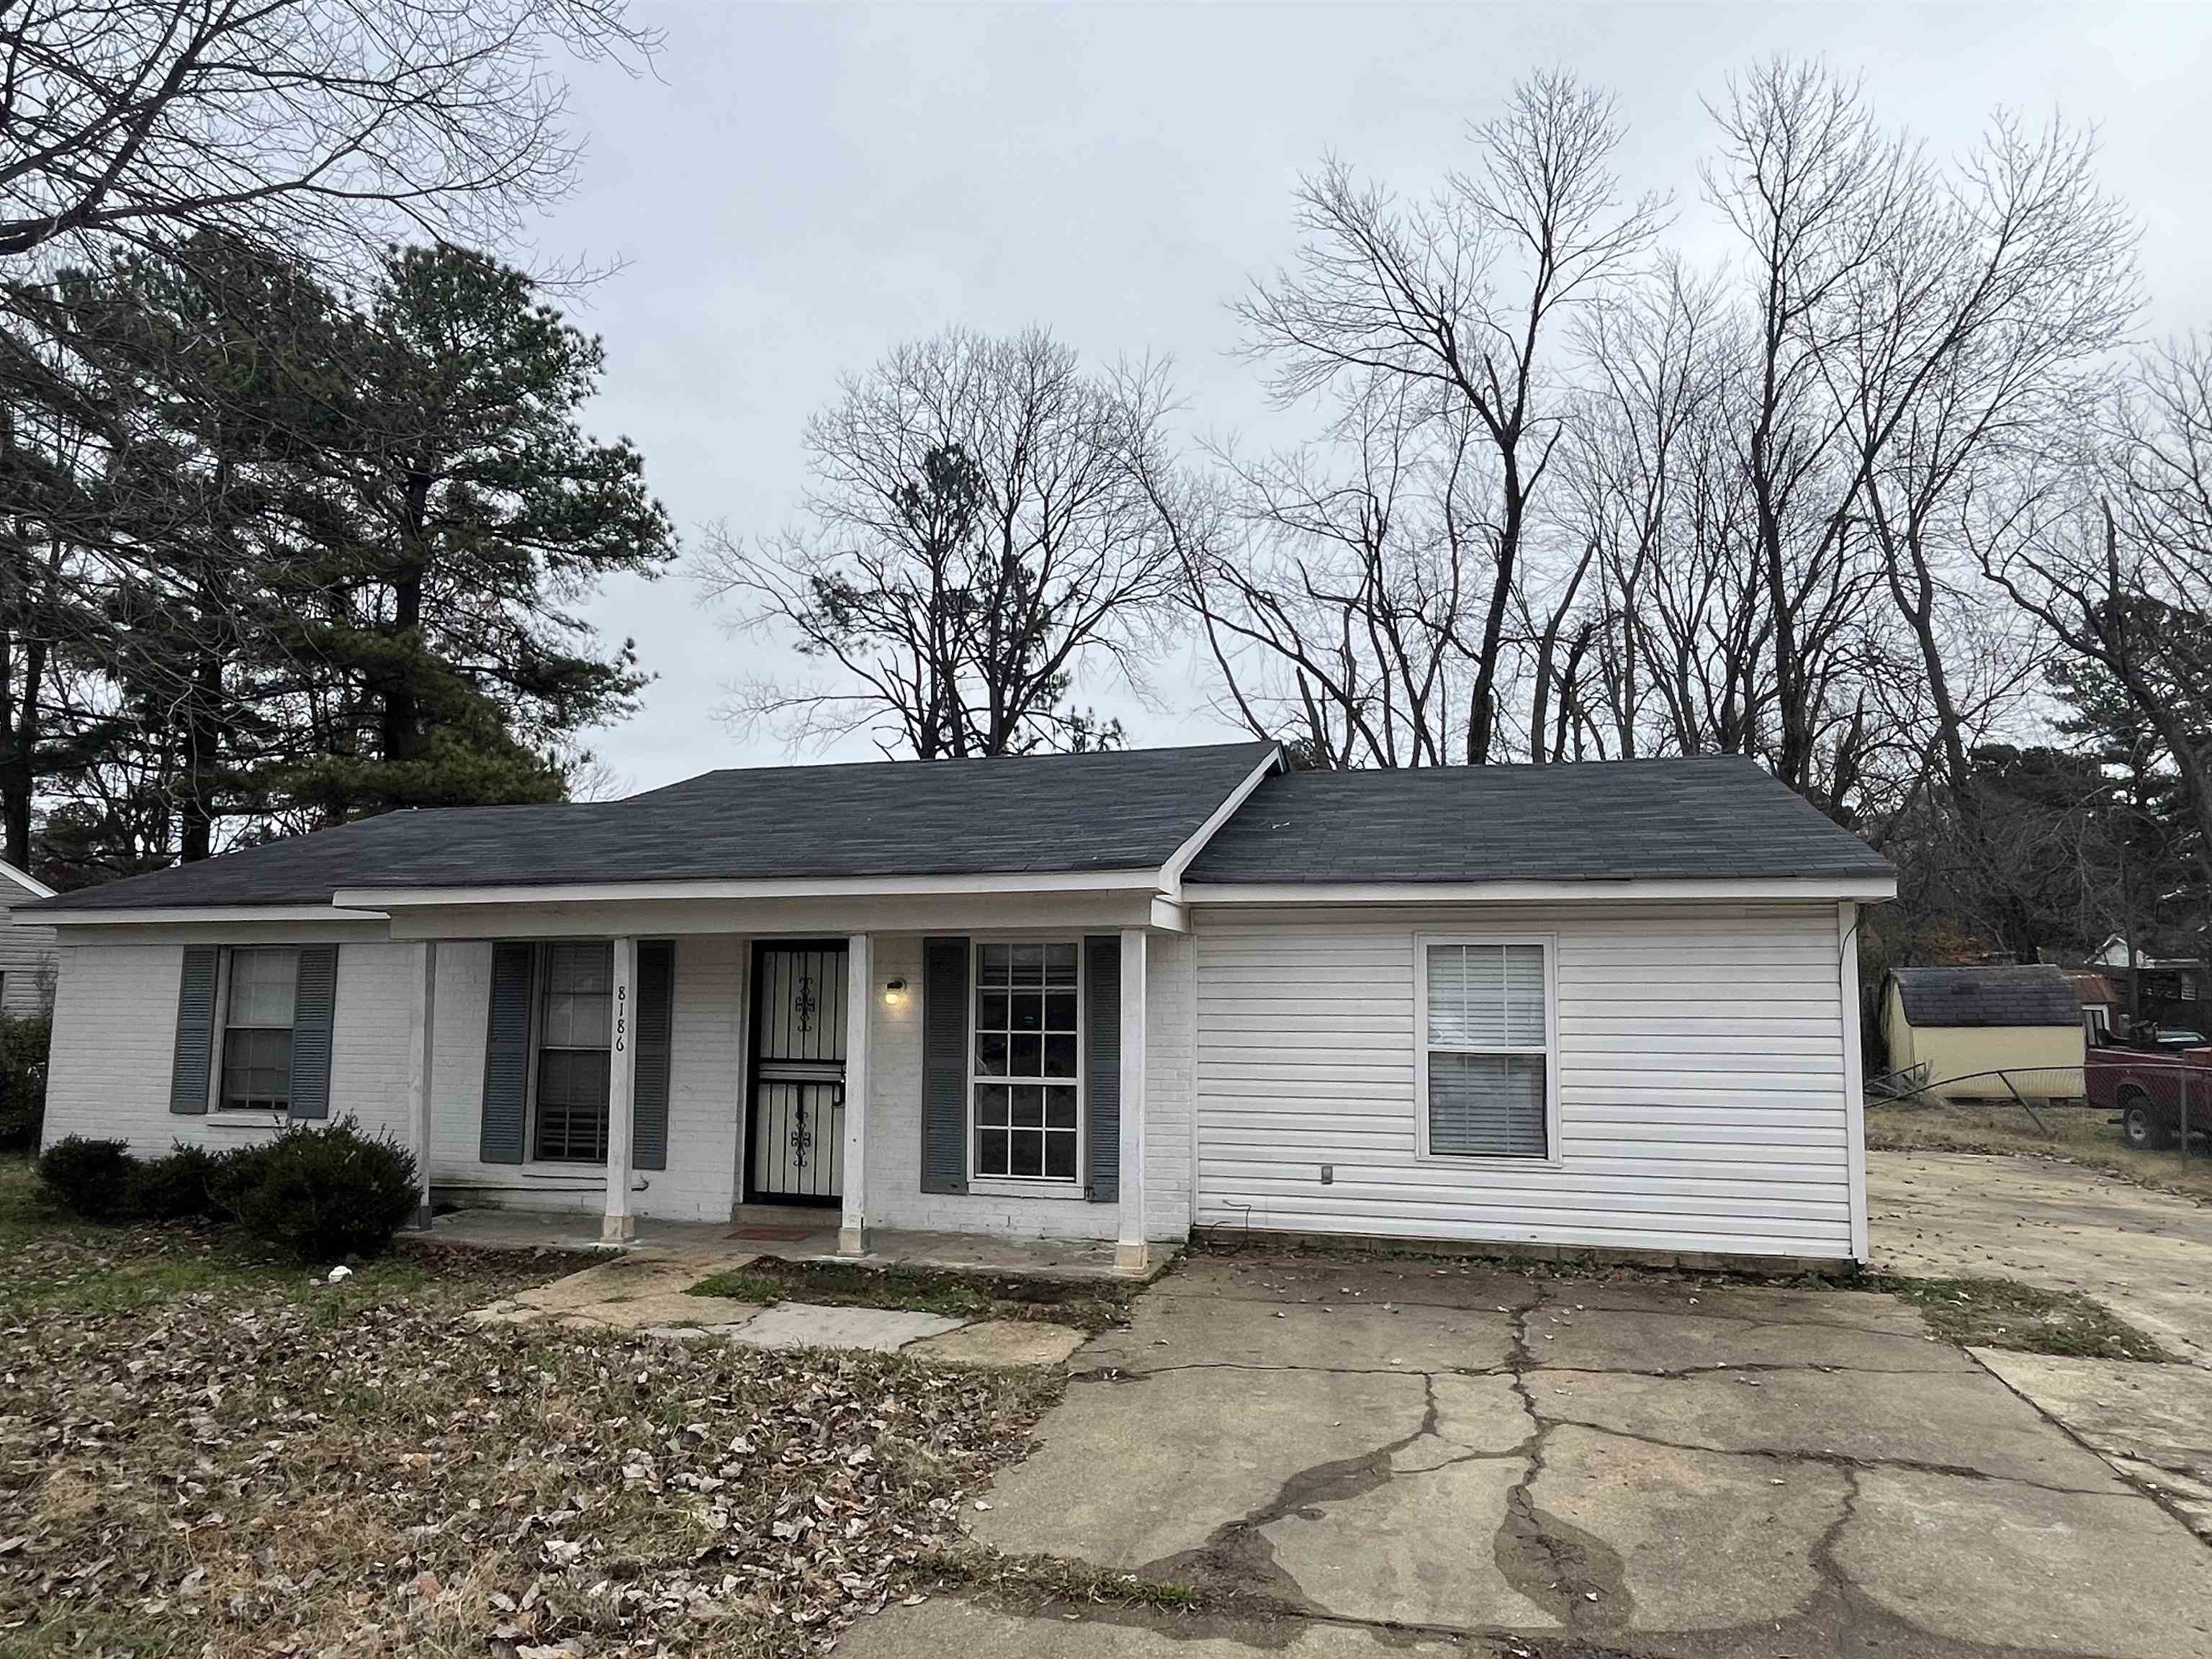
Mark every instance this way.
x=648 y=1290
x=1382 y=1458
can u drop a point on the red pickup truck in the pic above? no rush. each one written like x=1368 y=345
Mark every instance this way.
x=2154 y=1085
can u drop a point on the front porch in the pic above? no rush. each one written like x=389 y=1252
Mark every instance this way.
x=856 y=1094
x=791 y=1234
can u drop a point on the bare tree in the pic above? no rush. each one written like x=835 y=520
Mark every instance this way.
x=2114 y=554
x=1819 y=194
x=311 y=125
x=1460 y=299
x=983 y=534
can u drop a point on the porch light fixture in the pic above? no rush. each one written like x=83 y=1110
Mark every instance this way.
x=894 y=991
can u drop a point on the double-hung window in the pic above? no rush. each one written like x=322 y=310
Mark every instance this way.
x=256 y=1073
x=1025 y=1082
x=575 y=1024
x=1485 y=1048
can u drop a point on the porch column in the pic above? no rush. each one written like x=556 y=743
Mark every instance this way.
x=859 y=1019
x=422 y=1051
x=1130 y=1252
x=619 y=1226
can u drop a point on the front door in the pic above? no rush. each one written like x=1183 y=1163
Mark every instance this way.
x=795 y=1146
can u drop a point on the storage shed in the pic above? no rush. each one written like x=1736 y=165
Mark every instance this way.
x=1967 y=1024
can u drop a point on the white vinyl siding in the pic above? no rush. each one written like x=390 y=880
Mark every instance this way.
x=1697 y=1062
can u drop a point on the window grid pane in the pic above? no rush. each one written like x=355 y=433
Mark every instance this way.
x=1027 y=1016
x=576 y=1030
x=257 y=1071
x=1487 y=996
x=261 y=983
x=1486 y=1105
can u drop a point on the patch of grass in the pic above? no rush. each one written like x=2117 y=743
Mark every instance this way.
x=2004 y=1313
x=2079 y=1134
x=1088 y=1304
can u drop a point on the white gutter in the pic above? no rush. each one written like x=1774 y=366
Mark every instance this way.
x=1864 y=889
x=122 y=915
x=1064 y=881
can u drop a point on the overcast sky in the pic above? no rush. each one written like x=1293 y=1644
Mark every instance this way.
x=799 y=189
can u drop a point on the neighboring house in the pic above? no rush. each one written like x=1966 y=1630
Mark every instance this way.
x=26 y=948
x=1967 y=1025
x=2103 y=1004
x=2167 y=990
x=1116 y=996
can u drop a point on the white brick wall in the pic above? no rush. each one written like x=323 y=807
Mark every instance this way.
x=1171 y=1090
x=115 y=1029
x=706 y=1081
x=894 y=1194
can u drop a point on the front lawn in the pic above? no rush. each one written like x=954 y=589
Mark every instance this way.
x=202 y=1447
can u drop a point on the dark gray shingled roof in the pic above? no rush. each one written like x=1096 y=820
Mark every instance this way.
x=1713 y=818
x=1987 y=996
x=1060 y=813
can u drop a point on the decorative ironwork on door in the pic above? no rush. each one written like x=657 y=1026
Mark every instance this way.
x=797 y=1145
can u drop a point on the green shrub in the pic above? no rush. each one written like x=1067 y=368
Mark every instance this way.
x=90 y=1178
x=322 y=1193
x=23 y=1041
x=174 y=1187
x=232 y=1174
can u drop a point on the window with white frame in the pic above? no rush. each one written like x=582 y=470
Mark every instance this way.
x=256 y=1070
x=1028 y=1051
x=575 y=1022
x=1485 y=1048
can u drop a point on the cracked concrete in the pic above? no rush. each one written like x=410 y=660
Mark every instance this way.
x=1567 y=1468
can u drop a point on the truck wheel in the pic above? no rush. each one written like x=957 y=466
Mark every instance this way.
x=2143 y=1125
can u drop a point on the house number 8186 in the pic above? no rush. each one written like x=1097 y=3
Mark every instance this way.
x=621 y=1017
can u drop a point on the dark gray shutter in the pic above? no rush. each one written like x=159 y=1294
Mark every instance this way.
x=649 y=1059
x=506 y=1055
x=191 y=1069
x=943 y=1066
x=315 y=1002
x=1102 y=1069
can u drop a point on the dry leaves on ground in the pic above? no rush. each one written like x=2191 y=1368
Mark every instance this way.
x=280 y=1469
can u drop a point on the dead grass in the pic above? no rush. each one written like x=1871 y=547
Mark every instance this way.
x=2079 y=1134
x=1089 y=1304
x=198 y=1448
x=2005 y=1313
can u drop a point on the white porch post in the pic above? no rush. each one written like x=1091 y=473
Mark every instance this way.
x=422 y=1050
x=1130 y=1252
x=619 y=1226
x=860 y=1018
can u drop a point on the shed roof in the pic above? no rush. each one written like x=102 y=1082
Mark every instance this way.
x=2030 y=995
x=1705 y=818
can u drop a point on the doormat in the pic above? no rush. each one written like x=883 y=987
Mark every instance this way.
x=776 y=1234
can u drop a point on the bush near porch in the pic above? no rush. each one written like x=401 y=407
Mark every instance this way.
x=324 y=1194
x=205 y=1444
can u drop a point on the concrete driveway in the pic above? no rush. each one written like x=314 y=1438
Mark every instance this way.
x=2147 y=1256
x=1420 y=1457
